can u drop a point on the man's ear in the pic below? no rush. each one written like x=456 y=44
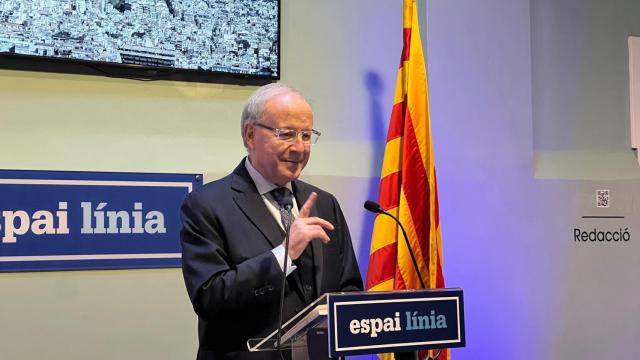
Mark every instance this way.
x=248 y=133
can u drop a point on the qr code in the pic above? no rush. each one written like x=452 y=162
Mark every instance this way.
x=602 y=198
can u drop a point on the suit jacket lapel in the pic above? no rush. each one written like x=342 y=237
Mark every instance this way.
x=302 y=192
x=250 y=202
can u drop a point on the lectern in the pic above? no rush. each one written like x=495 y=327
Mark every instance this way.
x=339 y=324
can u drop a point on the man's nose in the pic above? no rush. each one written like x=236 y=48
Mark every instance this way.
x=298 y=144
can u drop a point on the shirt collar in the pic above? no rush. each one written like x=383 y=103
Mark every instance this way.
x=263 y=185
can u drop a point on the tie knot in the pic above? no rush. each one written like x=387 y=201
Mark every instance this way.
x=280 y=194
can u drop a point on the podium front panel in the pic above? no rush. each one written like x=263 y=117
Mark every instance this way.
x=375 y=322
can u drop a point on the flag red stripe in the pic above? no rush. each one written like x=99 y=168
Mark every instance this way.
x=382 y=265
x=415 y=184
x=406 y=39
x=400 y=285
x=389 y=196
x=396 y=122
x=439 y=273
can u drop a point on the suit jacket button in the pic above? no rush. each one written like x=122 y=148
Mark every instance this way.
x=307 y=288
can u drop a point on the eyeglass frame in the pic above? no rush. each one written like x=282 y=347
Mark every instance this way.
x=279 y=131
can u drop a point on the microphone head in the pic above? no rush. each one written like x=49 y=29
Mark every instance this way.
x=373 y=206
x=287 y=201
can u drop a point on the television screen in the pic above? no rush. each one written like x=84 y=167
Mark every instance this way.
x=238 y=38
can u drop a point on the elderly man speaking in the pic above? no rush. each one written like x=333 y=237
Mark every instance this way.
x=233 y=234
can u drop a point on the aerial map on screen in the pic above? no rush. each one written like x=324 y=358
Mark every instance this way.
x=231 y=36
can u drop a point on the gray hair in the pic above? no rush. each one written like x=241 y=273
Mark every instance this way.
x=254 y=107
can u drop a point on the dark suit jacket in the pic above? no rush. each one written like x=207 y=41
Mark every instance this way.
x=232 y=277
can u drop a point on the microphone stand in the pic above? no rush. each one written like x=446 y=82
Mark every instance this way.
x=287 y=226
x=376 y=208
x=415 y=266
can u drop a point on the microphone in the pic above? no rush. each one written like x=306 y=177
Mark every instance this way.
x=374 y=207
x=287 y=203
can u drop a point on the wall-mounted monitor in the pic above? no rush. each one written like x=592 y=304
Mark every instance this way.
x=193 y=40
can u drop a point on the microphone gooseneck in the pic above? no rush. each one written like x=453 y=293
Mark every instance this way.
x=374 y=207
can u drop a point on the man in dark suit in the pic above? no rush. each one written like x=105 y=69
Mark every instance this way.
x=233 y=235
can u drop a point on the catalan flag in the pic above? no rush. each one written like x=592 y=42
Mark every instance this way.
x=408 y=181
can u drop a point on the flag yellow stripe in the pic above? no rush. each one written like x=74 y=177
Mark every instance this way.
x=417 y=93
x=434 y=254
x=384 y=231
x=401 y=84
x=386 y=285
x=406 y=16
x=392 y=162
x=435 y=245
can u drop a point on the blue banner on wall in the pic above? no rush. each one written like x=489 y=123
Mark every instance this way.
x=65 y=220
x=398 y=321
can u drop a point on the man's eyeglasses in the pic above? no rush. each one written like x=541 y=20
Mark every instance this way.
x=289 y=135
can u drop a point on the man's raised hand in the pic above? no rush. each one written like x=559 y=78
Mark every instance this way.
x=306 y=228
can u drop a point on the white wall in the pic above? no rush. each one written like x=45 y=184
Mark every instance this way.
x=531 y=290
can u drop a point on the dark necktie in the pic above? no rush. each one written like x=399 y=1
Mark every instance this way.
x=279 y=195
